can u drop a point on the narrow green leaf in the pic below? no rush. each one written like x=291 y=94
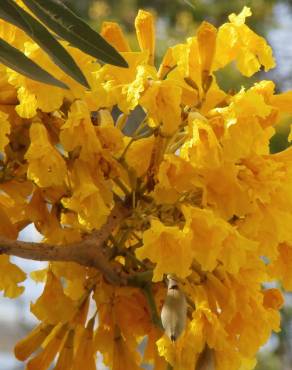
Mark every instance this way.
x=12 y=13
x=70 y=27
x=14 y=59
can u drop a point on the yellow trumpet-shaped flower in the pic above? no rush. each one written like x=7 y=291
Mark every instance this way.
x=167 y=247
x=10 y=276
x=145 y=30
x=65 y=360
x=204 y=198
x=53 y=306
x=113 y=33
x=162 y=102
x=28 y=345
x=118 y=353
x=46 y=165
x=43 y=360
x=236 y=41
x=206 y=36
x=84 y=357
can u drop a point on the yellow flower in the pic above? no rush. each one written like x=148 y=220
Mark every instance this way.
x=53 y=306
x=13 y=35
x=273 y=299
x=46 y=166
x=236 y=41
x=282 y=101
x=206 y=36
x=176 y=177
x=280 y=268
x=202 y=148
x=145 y=30
x=168 y=248
x=110 y=137
x=167 y=64
x=151 y=354
x=10 y=276
x=78 y=132
x=117 y=353
x=27 y=106
x=65 y=359
x=214 y=240
x=28 y=345
x=84 y=356
x=138 y=155
x=209 y=203
x=44 y=358
x=162 y=102
x=91 y=199
x=7 y=228
x=113 y=33
x=75 y=276
x=32 y=94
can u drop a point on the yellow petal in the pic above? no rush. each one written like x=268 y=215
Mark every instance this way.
x=27 y=107
x=43 y=359
x=290 y=134
x=4 y=130
x=113 y=33
x=236 y=41
x=10 y=276
x=206 y=35
x=26 y=346
x=46 y=165
x=145 y=30
x=273 y=298
x=85 y=354
x=53 y=306
x=162 y=102
x=65 y=359
x=167 y=247
x=139 y=154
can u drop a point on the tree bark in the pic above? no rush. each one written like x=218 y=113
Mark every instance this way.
x=90 y=251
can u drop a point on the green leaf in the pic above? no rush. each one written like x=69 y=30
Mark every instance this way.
x=14 y=59
x=70 y=27
x=12 y=13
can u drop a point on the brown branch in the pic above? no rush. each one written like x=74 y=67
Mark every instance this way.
x=88 y=252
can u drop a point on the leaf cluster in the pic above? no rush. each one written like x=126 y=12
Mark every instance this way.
x=47 y=16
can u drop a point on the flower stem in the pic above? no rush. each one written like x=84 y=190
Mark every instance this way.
x=147 y=289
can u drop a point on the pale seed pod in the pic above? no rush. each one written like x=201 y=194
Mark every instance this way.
x=174 y=310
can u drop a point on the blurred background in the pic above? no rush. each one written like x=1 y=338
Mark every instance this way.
x=175 y=20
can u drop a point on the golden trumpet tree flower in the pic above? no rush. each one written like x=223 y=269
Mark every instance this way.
x=151 y=171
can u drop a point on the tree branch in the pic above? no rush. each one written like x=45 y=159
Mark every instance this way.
x=88 y=252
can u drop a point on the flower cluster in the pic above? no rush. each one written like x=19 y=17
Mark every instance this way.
x=210 y=204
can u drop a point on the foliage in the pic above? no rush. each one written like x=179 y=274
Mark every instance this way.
x=150 y=172
x=65 y=24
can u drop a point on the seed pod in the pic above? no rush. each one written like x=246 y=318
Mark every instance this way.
x=174 y=310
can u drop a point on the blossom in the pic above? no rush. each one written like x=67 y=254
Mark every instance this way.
x=26 y=346
x=46 y=165
x=112 y=32
x=53 y=306
x=167 y=247
x=162 y=101
x=206 y=199
x=145 y=29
